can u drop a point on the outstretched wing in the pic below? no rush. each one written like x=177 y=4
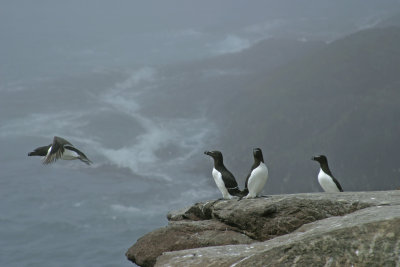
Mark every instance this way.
x=40 y=151
x=82 y=156
x=61 y=141
x=57 y=149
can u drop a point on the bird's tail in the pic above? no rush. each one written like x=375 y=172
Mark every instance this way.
x=236 y=192
x=34 y=153
x=243 y=193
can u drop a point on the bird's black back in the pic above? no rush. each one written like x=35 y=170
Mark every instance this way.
x=229 y=180
x=337 y=183
x=227 y=177
x=325 y=168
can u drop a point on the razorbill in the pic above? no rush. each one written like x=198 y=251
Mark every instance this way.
x=59 y=149
x=325 y=177
x=257 y=177
x=224 y=179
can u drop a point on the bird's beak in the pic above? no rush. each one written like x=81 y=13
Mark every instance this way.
x=207 y=152
x=313 y=158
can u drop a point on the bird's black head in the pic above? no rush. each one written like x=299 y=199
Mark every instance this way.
x=321 y=159
x=214 y=154
x=258 y=154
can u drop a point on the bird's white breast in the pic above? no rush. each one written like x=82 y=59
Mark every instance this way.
x=326 y=182
x=49 y=150
x=69 y=154
x=220 y=184
x=257 y=180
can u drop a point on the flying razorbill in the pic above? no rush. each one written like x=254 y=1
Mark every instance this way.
x=59 y=149
x=257 y=177
x=325 y=177
x=224 y=179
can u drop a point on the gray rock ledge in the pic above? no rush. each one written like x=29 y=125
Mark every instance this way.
x=316 y=229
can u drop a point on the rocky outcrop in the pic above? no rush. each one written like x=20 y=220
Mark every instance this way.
x=183 y=235
x=302 y=229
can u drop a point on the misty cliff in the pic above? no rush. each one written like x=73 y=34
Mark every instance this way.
x=342 y=100
x=296 y=99
x=360 y=228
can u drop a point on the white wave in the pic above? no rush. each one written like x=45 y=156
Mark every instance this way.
x=77 y=204
x=137 y=82
x=140 y=154
x=121 y=103
x=302 y=39
x=159 y=151
x=369 y=22
x=232 y=44
x=134 y=211
x=145 y=74
x=125 y=209
x=122 y=95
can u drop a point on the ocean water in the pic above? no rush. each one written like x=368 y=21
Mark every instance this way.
x=71 y=214
x=112 y=99
x=102 y=88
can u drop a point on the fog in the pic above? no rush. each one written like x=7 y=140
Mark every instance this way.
x=46 y=37
x=143 y=88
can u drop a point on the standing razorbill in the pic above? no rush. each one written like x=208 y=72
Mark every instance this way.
x=224 y=179
x=325 y=177
x=59 y=149
x=257 y=177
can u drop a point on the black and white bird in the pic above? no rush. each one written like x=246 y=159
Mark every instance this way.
x=325 y=177
x=223 y=178
x=59 y=149
x=257 y=177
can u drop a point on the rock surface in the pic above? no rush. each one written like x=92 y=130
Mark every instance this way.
x=183 y=235
x=343 y=229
